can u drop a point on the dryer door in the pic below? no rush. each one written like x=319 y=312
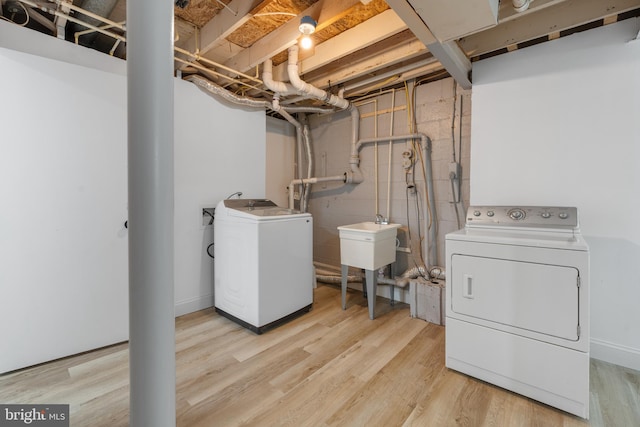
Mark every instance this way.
x=518 y=296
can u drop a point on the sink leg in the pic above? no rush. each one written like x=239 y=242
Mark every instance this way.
x=364 y=283
x=392 y=275
x=345 y=271
x=372 y=283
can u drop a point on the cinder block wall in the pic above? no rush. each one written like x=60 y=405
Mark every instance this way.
x=333 y=204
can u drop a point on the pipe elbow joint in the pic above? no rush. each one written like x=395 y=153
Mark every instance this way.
x=353 y=177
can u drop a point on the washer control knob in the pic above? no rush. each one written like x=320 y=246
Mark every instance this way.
x=563 y=215
x=546 y=215
x=476 y=213
x=490 y=213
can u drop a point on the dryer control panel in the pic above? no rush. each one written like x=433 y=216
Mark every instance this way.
x=555 y=217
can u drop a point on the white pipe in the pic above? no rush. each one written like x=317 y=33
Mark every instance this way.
x=429 y=249
x=72 y=19
x=375 y=152
x=69 y=5
x=306 y=88
x=216 y=64
x=77 y=34
x=355 y=175
x=520 y=5
x=314 y=180
x=278 y=87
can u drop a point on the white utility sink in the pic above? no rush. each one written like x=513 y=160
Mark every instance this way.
x=368 y=245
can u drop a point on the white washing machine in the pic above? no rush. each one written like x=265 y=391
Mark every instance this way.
x=517 y=310
x=263 y=260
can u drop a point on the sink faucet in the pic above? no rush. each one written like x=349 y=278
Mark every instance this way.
x=381 y=220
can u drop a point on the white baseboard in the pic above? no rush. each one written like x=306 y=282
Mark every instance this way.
x=194 y=304
x=614 y=353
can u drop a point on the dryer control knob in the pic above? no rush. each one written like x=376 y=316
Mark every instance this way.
x=490 y=213
x=476 y=213
x=563 y=215
x=546 y=215
x=516 y=214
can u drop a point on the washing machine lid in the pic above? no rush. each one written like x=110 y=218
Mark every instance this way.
x=256 y=209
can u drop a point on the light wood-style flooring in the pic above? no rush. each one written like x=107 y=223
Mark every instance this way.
x=328 y=367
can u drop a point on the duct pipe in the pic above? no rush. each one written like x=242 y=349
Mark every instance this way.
x=314 y=180
x=306 y=138
x=429 y=248
x=306 y=88
x=248 y=101
x=225 y=94
x=150 y=101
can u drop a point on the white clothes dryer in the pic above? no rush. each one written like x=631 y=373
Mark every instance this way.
x=517 y=311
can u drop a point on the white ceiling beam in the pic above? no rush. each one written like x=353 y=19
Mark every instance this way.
x=413 y=21
x=418 y=69
x=380 y=27
x=397 y=55
x=565 y=15
x=324 y=12
x=452 y=58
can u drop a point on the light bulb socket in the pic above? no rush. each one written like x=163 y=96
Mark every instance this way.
x=307 y=25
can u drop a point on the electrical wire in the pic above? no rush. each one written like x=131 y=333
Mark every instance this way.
x=453 y=122
x=274 y=13
x=411 y=186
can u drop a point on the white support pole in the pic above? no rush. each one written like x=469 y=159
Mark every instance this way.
x=150 y=165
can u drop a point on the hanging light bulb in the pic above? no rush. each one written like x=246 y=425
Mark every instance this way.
x=307 y=27
x=306 y=42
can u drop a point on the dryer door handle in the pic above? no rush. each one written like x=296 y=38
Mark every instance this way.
x=467 y=286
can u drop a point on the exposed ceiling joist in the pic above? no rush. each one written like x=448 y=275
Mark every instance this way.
x=213 y=34
x=567 y=14
x=371 y=65
x=452 y=58
x=361 y=36
x=360 y=45
x=325 y=12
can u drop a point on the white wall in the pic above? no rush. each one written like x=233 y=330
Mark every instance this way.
x=219 y=149
x=557 y=124
x=63 y=175
x=280 y=159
